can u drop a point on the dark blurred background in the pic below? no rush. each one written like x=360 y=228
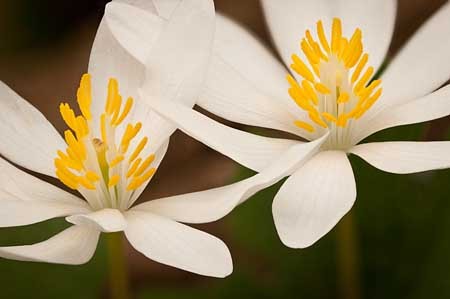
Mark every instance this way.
x=401 y=223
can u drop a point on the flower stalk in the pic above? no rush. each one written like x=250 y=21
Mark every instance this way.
x=118 y=270
x=348 y=271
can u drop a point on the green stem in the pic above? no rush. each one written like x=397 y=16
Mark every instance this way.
x=348 y=259
x=118 y=270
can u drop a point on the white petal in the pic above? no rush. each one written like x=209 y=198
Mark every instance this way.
x=137 y=28
x=165 y=8
x=314 y=199
x=177 y=64
x=213 y=204
x=110 y=59
x=28 y=138
x=405 y=157
x=25 y=199
x=250 y=150
x=105 y=220
x=174 y=244
x=73 y=246
x=246 y=83
x=432 y=106
x=421 y=66
x=288 y=20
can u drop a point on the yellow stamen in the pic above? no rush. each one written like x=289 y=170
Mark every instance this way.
x=303 y=125
x=300 y=68
x=359 y=67
x=138 y=149
x=113 y=180
x=116 y=161
x=144 y=165
x=133 y=167
x=322 y=37
x=336 y=35
x=322 y=88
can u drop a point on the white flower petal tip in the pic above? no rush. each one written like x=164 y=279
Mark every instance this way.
x=178 y=245
x=313 y=200
x=73 y=246
x=28 y=138
x=106 y=220
x=130 y=34
x=405 y=157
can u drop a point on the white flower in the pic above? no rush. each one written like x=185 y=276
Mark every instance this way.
x=329 y=91
x=107 y=157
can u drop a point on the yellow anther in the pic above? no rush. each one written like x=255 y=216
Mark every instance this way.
x=343 y=98
x=113 y=180
x=72 y=184
x=342 y=46
x=82 y=128
x=310 y=92
x=92 y=176
x=305 y=126
x=84 y=96
x=125 y=112
x=116 y=161
x=365 y=92
x=116 y=109
x=138 y=149
x=77 y=147
x=144 y=165
x=329 y=117
x=68 y=115
x=103 y=128
x=322 y=88
x=70 y=163
x=364 y=79
x=309 y=53
x=315 y=117
x=299 y=99
x=133 y=167
x=359 y=67
x=300 y=68
x=86 y=183
x=342 y=121
x=113 y=91
x=146 y=176
x=322 y=38
x=336 y=35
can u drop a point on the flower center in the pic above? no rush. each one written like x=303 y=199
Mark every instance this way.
x=105 y=172
x=335 y=89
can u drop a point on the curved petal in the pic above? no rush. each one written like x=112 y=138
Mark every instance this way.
x=73 y=246
x=177 y=245
x=213 y=204
x=37 y=202
x=106 y=220
x=28 y=138
x=314 y=199
x=432 y=106
x=405 y=157
x=110 y=59
x=176 y=61
x=248 y=149
x=288 y=20
x=421 y=66
x=245 y=82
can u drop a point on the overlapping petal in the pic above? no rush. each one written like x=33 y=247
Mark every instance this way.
x=213 y=204
x=28 y=138
x=105 y=220
x=253 y=151
x=73 y=246
x=245 y=82
x=37 y=201
x=174 y=244
x=314 y=199
x=405 y=157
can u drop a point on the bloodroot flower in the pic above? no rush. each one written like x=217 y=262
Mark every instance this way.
x=331 y=51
